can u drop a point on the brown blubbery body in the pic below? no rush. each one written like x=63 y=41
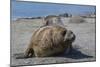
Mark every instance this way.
x=50 y=40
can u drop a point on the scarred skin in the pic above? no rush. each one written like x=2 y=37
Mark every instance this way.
x=50 y=40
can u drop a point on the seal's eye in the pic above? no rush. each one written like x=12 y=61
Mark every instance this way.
x=64 y=32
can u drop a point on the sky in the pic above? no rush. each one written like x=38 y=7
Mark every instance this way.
x=34 y=9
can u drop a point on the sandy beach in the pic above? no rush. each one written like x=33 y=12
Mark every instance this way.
x=84 y=45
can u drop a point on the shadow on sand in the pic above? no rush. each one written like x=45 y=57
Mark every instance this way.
x=74 y=54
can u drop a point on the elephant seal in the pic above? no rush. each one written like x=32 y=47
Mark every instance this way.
x=50 y=40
